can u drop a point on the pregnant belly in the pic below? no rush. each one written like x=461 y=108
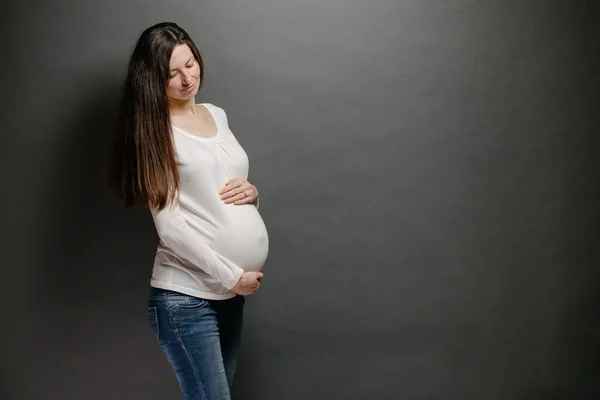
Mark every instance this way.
x=244 y=241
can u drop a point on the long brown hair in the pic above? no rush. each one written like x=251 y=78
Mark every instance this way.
x=144 y=166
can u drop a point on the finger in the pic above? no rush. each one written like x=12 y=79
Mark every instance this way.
x=227 y=189
x=232 y=180
x=231 y=184
x=245 y=200
x=242 y=202
x=260 y=275
x=233 y=192
x=230 y=194
x=240 y=198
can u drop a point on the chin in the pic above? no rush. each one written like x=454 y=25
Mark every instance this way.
x=193 y=93
x=184 y=96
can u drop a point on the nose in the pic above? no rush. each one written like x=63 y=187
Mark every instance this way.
x=187 y=79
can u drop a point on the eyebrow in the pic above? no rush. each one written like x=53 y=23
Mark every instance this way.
x=174 y=69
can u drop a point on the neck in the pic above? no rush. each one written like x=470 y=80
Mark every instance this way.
x=179 y=107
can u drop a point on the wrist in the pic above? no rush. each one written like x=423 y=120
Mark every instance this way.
x=235 y=279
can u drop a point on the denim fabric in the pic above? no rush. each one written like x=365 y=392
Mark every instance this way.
x=200 y=339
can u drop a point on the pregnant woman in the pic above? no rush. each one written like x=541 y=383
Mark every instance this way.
x=181 y=160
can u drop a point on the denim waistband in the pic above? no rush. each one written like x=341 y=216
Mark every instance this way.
x=157 y=292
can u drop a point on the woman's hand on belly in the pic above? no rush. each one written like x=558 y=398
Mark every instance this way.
x=248 y=283
x=239 y=191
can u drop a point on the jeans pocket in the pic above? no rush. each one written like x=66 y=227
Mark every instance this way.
x=153 y=321
x=192 y=307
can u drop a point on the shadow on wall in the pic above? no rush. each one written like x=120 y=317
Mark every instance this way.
x=89 y=239
x=94 y=264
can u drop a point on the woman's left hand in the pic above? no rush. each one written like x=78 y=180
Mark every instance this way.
x=239 y=191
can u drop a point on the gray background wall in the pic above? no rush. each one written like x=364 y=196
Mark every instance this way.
x=428 y=174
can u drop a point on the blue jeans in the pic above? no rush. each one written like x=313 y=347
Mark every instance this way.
x=200 y=338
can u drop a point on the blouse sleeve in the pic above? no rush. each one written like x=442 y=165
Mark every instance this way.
x=174 y=231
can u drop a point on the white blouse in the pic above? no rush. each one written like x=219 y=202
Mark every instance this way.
x=205 y=244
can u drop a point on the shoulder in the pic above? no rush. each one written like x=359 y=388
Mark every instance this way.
x=216 y=111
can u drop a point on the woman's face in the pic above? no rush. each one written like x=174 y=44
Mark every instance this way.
x=184 y=74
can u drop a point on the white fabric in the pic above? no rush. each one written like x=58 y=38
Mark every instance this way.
x=205 y=244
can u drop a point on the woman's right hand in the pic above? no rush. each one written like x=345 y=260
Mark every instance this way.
x=248 y=283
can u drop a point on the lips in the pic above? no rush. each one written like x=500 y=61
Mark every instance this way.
x=188 y=89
